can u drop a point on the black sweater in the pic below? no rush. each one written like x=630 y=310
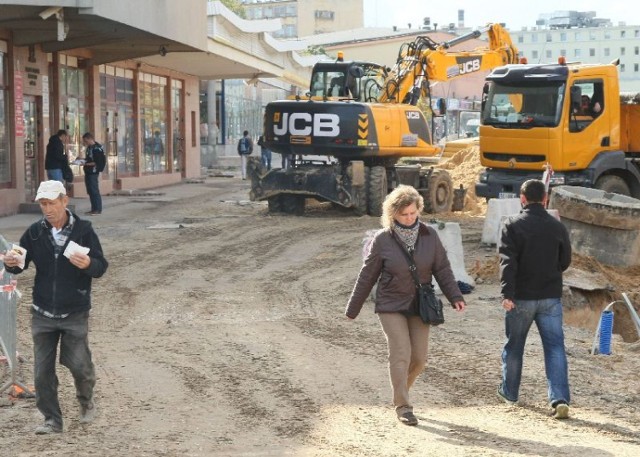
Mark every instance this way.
x=59 y=286
x=55 y=158
x=534 y=251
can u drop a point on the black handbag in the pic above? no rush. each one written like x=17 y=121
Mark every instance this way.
x=429 y=306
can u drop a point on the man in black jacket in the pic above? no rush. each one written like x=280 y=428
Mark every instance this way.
x=55 y=160
x=95 y=162
x=61 y=301
x=534 y=251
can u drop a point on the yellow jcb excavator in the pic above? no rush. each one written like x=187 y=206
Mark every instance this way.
x=358 y=119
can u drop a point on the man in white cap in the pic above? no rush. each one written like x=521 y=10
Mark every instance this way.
x=57 y=245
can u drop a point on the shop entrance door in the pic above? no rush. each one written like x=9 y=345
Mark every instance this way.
x=32 y=155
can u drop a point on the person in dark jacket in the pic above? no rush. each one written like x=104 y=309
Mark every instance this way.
x=55 y=160
x=95 y=162
x=534 y=251
x=61 y=301
x=396 y=298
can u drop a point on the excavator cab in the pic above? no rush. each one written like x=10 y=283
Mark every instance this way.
x=360 y=81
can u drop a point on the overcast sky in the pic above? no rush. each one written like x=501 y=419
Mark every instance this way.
x=516 y=14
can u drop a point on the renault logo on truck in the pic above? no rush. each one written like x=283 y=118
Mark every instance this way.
x=304 y=124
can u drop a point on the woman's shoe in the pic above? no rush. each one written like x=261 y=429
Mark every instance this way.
x=408 y=418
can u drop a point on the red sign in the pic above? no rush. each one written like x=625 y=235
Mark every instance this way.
x=19 y=98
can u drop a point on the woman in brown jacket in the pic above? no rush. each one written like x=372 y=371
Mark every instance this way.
x=396 y=298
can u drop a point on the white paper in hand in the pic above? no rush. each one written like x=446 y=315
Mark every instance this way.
x=74 y=247
x=20 y=253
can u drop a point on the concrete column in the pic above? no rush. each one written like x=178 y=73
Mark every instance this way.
x=211 y=121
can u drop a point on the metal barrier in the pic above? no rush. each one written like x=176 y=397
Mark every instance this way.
x=8 y=307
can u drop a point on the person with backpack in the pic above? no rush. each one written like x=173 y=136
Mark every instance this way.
x=94 y=164
x=265 y=153
x=245 y=148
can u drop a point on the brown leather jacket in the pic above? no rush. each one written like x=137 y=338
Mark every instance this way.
x=396 y=289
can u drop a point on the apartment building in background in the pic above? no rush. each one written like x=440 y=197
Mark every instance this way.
x=308 y=17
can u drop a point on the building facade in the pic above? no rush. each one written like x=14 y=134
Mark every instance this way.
x=587 y=45
x=308 y=17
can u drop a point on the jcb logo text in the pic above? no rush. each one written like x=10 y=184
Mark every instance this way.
x=304 y=124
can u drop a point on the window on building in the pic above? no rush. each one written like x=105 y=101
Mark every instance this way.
x=563 y=52
x=607 y=35
x=74 y=103
x=324 y=14
x=622 y=68
x=520 y=38
x=622 y=51
x=635 y=67
x=548 y=53
x=623 y=33
x=592 y=35
x=534 y=55
x=177 y=137
x=592 y=52
x=549 y=39
x=576 y=52
x=563 y=36
x=5 y=153
x=153 y=122
x=577 y=36
x=607 y=52
x=117 y=119
x=636 y=33
x=534 y=37
x=636 y=50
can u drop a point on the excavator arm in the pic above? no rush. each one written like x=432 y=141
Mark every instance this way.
x=423 y=62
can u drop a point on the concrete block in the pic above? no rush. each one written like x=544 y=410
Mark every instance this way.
x=451 y=237
x=496 y=210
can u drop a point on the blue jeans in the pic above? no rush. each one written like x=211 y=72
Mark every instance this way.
x=266 y=158
x=547 y=315
x=55 y=175
x=72 y=335
x=93 y=190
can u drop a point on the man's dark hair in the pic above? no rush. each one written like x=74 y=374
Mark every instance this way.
x=87 y=136
x=533 y=190
x=62 y=132
x=245 y=133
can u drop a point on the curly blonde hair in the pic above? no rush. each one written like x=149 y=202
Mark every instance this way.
x=401 y=197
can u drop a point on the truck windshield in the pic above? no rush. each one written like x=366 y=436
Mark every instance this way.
x=523 y=105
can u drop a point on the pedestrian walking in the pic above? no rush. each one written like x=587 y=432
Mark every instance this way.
x=396 y=302
x=534 y=251
x=245 y=149
x=265 y=153
x=95 y=162
x=67 y=256
x=56 y=162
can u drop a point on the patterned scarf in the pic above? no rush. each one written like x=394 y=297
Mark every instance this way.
x=407 y=234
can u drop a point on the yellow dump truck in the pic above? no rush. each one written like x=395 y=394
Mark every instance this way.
x=570 y=116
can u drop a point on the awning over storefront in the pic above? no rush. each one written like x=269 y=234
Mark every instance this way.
x=196 y=37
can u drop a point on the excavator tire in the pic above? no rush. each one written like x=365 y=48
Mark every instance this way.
x=293 y=204
x=613 y=184
x=439 y=195
x=377 y=190
x=275 y=204
x=360 y=197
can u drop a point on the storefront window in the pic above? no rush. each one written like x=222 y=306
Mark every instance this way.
x=73 y=104
x=242 y=111
x=117 y=117
x=153 y=122
x=178 y=125
x=5 y=156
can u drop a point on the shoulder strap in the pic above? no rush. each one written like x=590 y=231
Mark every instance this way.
x=412 y=264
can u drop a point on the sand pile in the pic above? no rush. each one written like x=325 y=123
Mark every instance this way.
x=464 y=168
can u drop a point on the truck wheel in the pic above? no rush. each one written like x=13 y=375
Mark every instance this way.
x=377 y=190
x=614 y=184
x=275 y=204
x=439 y=195
x=293 y=204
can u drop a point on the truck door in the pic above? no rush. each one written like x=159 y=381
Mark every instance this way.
x=587 y=131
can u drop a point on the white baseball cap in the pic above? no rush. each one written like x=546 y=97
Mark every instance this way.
x=50 y=190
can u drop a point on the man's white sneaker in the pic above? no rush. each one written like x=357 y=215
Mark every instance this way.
x=87 y=413
x=561 y=411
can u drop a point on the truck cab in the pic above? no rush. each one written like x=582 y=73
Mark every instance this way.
x=533 y=116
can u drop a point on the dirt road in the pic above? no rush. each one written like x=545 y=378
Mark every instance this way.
x=226 y=337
